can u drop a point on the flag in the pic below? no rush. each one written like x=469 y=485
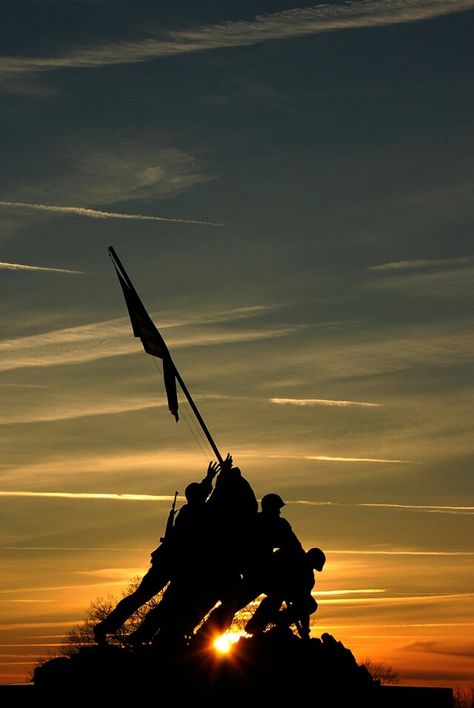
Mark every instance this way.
x=144 y=328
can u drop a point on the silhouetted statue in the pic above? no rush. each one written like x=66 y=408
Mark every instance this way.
x=209 y=566
x=268 y=531
x=290 y=580
x=176 y=547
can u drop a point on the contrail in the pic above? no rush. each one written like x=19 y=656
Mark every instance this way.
x=436 y=508
x=322 y=402
x=420 y=263
x=377 y=460
x=289 y=24
x=401 y=553
x=21 y=266
x=87 y=495
x=330 y=458
x=96 y=214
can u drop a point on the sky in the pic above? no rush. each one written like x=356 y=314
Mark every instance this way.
x=289 y=187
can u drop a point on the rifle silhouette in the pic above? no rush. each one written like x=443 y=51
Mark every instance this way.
x=169 y=523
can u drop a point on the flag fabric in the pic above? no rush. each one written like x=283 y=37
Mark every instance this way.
x=144 y=328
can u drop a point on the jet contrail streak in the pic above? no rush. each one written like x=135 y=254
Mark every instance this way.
x=21 y=266
x=96 y=214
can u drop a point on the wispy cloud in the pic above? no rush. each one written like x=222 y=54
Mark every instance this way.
x=77 y=496
x=441 y=648
x=398 y=552
x=354 y=591
x=3 y=384
x=321 y=402
x=299 y=22
x=400 y=349
x=21 y=266
x=61 y=549
x=420 y=264
x=120 y=573
x=433 y=508
x=399 y=599
x=261 y=454
x=76 y=586
x=94 y=466
x=93 y=214
x=405 y=625
x=113 y=170
x=376 y=460
x=306 y=502
x=87 y=495
x=67 y=407
x=27 y=601
x=33 y=625
x=113 y=338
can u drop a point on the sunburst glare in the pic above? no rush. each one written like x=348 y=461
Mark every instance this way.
x=224 y=643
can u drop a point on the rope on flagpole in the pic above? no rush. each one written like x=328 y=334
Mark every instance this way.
x=191 y=424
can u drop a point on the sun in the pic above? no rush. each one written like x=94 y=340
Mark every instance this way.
x=224 y=643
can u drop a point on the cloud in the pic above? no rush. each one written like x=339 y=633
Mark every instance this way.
x=357 y=591
x=321 y=402
x=111 y=338
x=290 y=24
x=51 y=471
x=91 y=214
x=328 y=458
x=398 y=552
x=78 y=496
x=70 y=406
x=107 y=172
x=399 y=599
x=436 y=509
x=123 y=574
x=466 y=650
x=86 y=495
x=451 y=280
x=20 y=266
x=400 y=349
x=60 y=549
x=17 y=385
x=433 y=508
x=420 y=264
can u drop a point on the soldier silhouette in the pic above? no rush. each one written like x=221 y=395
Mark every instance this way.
x=268 y=531
x=210 y=562
x=164 y=558
x=290 y=580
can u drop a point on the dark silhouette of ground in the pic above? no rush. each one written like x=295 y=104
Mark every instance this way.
x=271 y=668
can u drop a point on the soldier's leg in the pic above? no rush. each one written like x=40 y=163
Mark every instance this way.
x=152 y=582
x=180 y=610
x=220 y=619
x=298 y=609
x=265 y=613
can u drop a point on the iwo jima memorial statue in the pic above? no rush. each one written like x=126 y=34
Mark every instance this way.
x=218 y=554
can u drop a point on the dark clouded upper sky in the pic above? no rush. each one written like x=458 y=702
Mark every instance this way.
x=290 y=189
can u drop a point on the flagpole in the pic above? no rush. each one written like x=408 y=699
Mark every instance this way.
x=124 y=275
x=198 y=415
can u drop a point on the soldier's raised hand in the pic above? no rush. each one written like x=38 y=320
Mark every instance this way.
x=213 y=469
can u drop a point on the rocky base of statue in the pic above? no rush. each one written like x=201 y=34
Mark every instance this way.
x=272 y=668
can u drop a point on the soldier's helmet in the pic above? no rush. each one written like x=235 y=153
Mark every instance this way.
x=193 y=492
x=272 y=501
x=317 y=558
